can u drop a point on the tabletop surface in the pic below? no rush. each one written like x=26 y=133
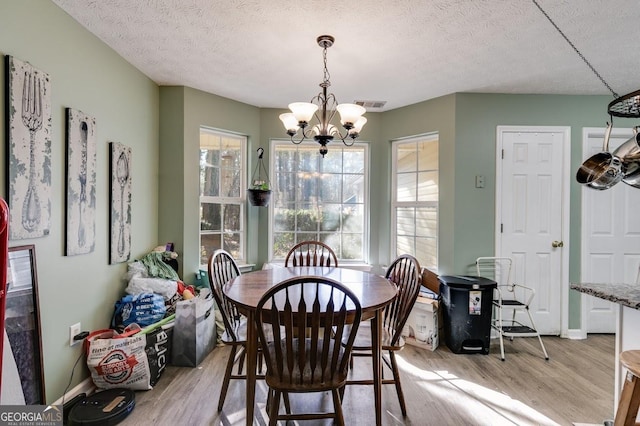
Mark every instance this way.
x=373 y=291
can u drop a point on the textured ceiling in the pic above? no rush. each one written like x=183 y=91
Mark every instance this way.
x=264 y=52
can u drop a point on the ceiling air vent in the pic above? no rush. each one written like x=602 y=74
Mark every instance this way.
x=371 y=104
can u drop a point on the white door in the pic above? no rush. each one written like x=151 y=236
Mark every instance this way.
x=610 y=235
x=532 y=216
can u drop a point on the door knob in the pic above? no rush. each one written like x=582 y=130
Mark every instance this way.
x=557 y=244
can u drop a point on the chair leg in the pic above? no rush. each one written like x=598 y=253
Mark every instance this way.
x=546 y=356
x=500 y=335
x=337 y=407
x=629 y=401
x=396 y=380
x=287 y=403
x=227 y=377
x=274 y=408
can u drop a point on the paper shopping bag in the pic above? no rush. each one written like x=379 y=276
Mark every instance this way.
x=194 y=333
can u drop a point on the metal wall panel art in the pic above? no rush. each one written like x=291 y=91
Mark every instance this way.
x=28 y=111
x=120 y=212
x=81 y=183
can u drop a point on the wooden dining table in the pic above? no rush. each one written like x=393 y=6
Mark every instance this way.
x=373 y=291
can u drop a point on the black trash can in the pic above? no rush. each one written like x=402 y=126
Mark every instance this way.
x=467 y=307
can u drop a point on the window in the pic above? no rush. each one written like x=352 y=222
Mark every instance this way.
x=222 y=184
x=317 y=198
x=415 y=198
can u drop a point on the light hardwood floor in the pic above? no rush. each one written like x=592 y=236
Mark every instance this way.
x=441 y=388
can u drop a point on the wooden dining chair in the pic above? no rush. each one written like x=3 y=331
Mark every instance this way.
x=223 y=268
x=301 y=323
x=405 y=272
x=311 y=253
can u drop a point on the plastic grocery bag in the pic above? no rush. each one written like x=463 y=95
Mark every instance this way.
x=143 y=309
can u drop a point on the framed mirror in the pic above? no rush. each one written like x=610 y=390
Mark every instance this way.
x=22 y=324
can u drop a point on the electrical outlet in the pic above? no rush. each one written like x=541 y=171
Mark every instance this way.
x=74 y=330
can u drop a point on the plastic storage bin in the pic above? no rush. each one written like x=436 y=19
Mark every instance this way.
x=467 y=303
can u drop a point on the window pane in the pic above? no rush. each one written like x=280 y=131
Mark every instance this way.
x=428 y=186
x=404 y=245
x=208 y=244
x=352 y=246
x=428 y=155
x=209 y=173
x=332 y=162
x=302 y=236
x=406 y=187
x=284 y=218
x=232 y=217
x=285 y=187
x=406 y=157
x=353 y=188
x=405 y=221
x=282 y=242
x=307 y=187
x=307 y=159
x=353 y=160
x=331 y=188
x=211 y=217
x=353 y=218
x=426 y=222
x=232 y=244
x=330 y=218
x=307 y=218
x=427 y=252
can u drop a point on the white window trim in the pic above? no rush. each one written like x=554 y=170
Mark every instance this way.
x=241 y=200
x=394 y=181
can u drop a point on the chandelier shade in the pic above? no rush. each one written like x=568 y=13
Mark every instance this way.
x=322 y=110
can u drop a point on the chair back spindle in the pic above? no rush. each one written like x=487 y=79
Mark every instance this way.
x=311 y=253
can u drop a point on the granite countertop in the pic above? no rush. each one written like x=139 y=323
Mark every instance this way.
x=624 y=294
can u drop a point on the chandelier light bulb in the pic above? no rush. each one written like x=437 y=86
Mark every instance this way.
x=290 y=122
x=349 y=114
x=303 y=111
x=357 y=127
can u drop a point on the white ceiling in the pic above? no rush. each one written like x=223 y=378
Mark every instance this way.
x=264 y=52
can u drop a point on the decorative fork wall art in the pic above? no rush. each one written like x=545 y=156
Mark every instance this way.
x=81 y=183
x=28 y=110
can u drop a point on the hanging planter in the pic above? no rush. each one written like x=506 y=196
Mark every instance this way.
x=259 y=193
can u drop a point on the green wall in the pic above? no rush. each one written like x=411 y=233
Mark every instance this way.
x=86 y=75
x=436 y=115
x=477 y=116
x=183 y=111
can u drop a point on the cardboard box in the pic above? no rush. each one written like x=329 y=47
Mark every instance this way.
x=430 y=280
x=422 y=327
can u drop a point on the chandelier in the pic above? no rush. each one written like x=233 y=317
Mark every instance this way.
x=323 y=107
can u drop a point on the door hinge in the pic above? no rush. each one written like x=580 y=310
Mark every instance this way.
x=501 y=228
x=502 y=154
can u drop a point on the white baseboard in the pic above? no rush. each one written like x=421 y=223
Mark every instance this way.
x=85 y=386
x=576 y=334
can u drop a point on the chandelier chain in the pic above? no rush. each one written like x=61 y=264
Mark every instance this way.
x=615 y=95
x=326 y=70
